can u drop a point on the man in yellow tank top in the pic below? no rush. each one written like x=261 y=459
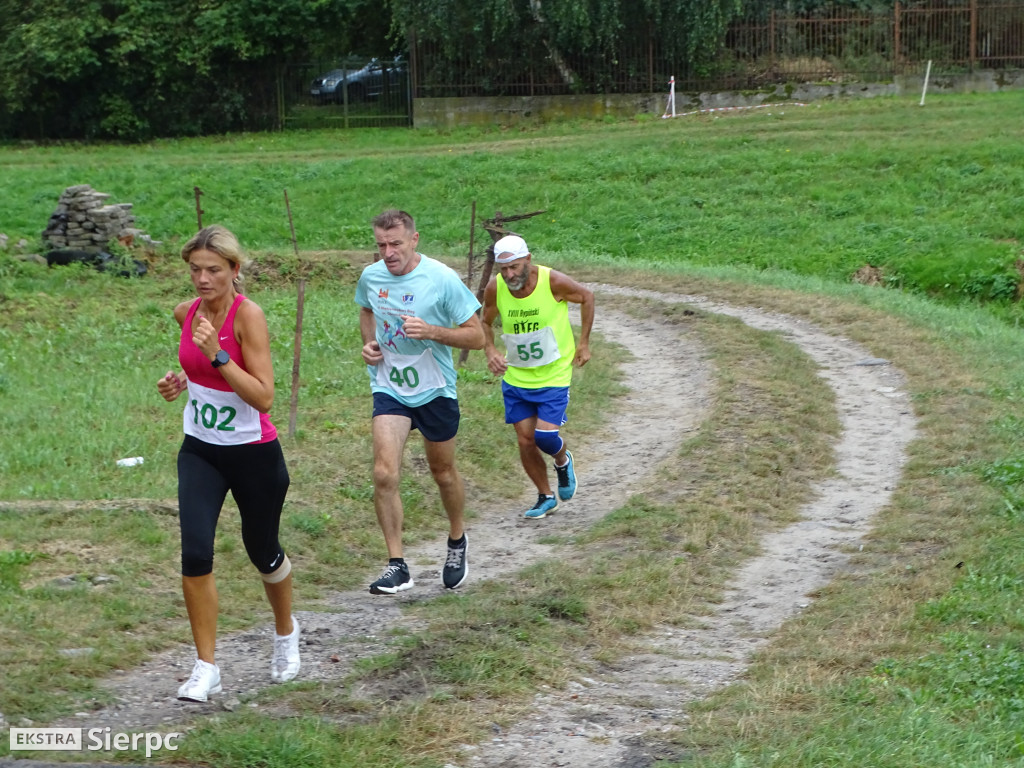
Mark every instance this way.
x=536 y=369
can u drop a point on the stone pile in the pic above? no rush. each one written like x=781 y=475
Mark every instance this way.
x=83 y=222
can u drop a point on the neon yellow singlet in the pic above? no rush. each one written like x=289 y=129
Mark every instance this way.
x=538 y=338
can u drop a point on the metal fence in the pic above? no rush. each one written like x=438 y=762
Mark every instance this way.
x=352 y=92
x=838 y=45
x=831 y=44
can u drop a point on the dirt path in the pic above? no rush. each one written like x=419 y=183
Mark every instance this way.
x=613 y=719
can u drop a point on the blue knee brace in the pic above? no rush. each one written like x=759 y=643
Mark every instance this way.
x=548 y=440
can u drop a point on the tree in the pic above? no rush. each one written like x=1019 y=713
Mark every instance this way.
x=579 y=41
x=132 y=69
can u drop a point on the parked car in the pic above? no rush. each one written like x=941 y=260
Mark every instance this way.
x=369 y=82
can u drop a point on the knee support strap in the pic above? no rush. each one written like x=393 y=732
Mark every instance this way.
x=548 y=440
x=279 y=574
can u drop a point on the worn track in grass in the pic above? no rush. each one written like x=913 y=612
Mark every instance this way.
x=613 y=718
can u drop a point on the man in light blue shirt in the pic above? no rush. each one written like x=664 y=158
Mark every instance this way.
x=413 y=311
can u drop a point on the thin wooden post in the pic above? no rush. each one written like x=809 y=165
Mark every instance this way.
x=472 y=232
x=485 y=277
x=199 y=211
x=300 y=303
x=291 y=224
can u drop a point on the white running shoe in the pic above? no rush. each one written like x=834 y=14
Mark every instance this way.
x=204 y=682
x=285 y=665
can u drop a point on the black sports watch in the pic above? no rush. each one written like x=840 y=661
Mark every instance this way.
x=222 y=358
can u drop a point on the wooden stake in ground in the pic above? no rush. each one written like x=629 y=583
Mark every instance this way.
x=472 y=233
x=300 y=303
x=199 y=211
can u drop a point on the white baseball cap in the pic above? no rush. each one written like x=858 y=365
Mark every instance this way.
x=510 y=248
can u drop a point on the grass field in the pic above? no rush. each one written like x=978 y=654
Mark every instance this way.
x=926 y=194
x=906 y=661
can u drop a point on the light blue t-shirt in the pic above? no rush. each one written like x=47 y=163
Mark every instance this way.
x=433 y=292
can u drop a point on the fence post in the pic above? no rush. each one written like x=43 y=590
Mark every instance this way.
x=282 y=113
x=897 y=65
x=344 y=92
x=414 y=64
x=973 y=43
x=650 y=57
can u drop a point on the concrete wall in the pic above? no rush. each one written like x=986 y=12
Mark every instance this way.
x=513 y=110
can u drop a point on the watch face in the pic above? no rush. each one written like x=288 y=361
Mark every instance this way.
x=222 y=358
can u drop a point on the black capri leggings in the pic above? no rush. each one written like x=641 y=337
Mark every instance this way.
x=257 y=477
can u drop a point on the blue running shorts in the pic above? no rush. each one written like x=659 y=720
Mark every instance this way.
x=548 y=404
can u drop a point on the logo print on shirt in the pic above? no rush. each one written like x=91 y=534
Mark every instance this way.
x=391 y=334
x=382 y=293
x=407 y=298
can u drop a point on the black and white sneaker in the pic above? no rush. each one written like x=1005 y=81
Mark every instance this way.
x=395 y=578
x=456 y=565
